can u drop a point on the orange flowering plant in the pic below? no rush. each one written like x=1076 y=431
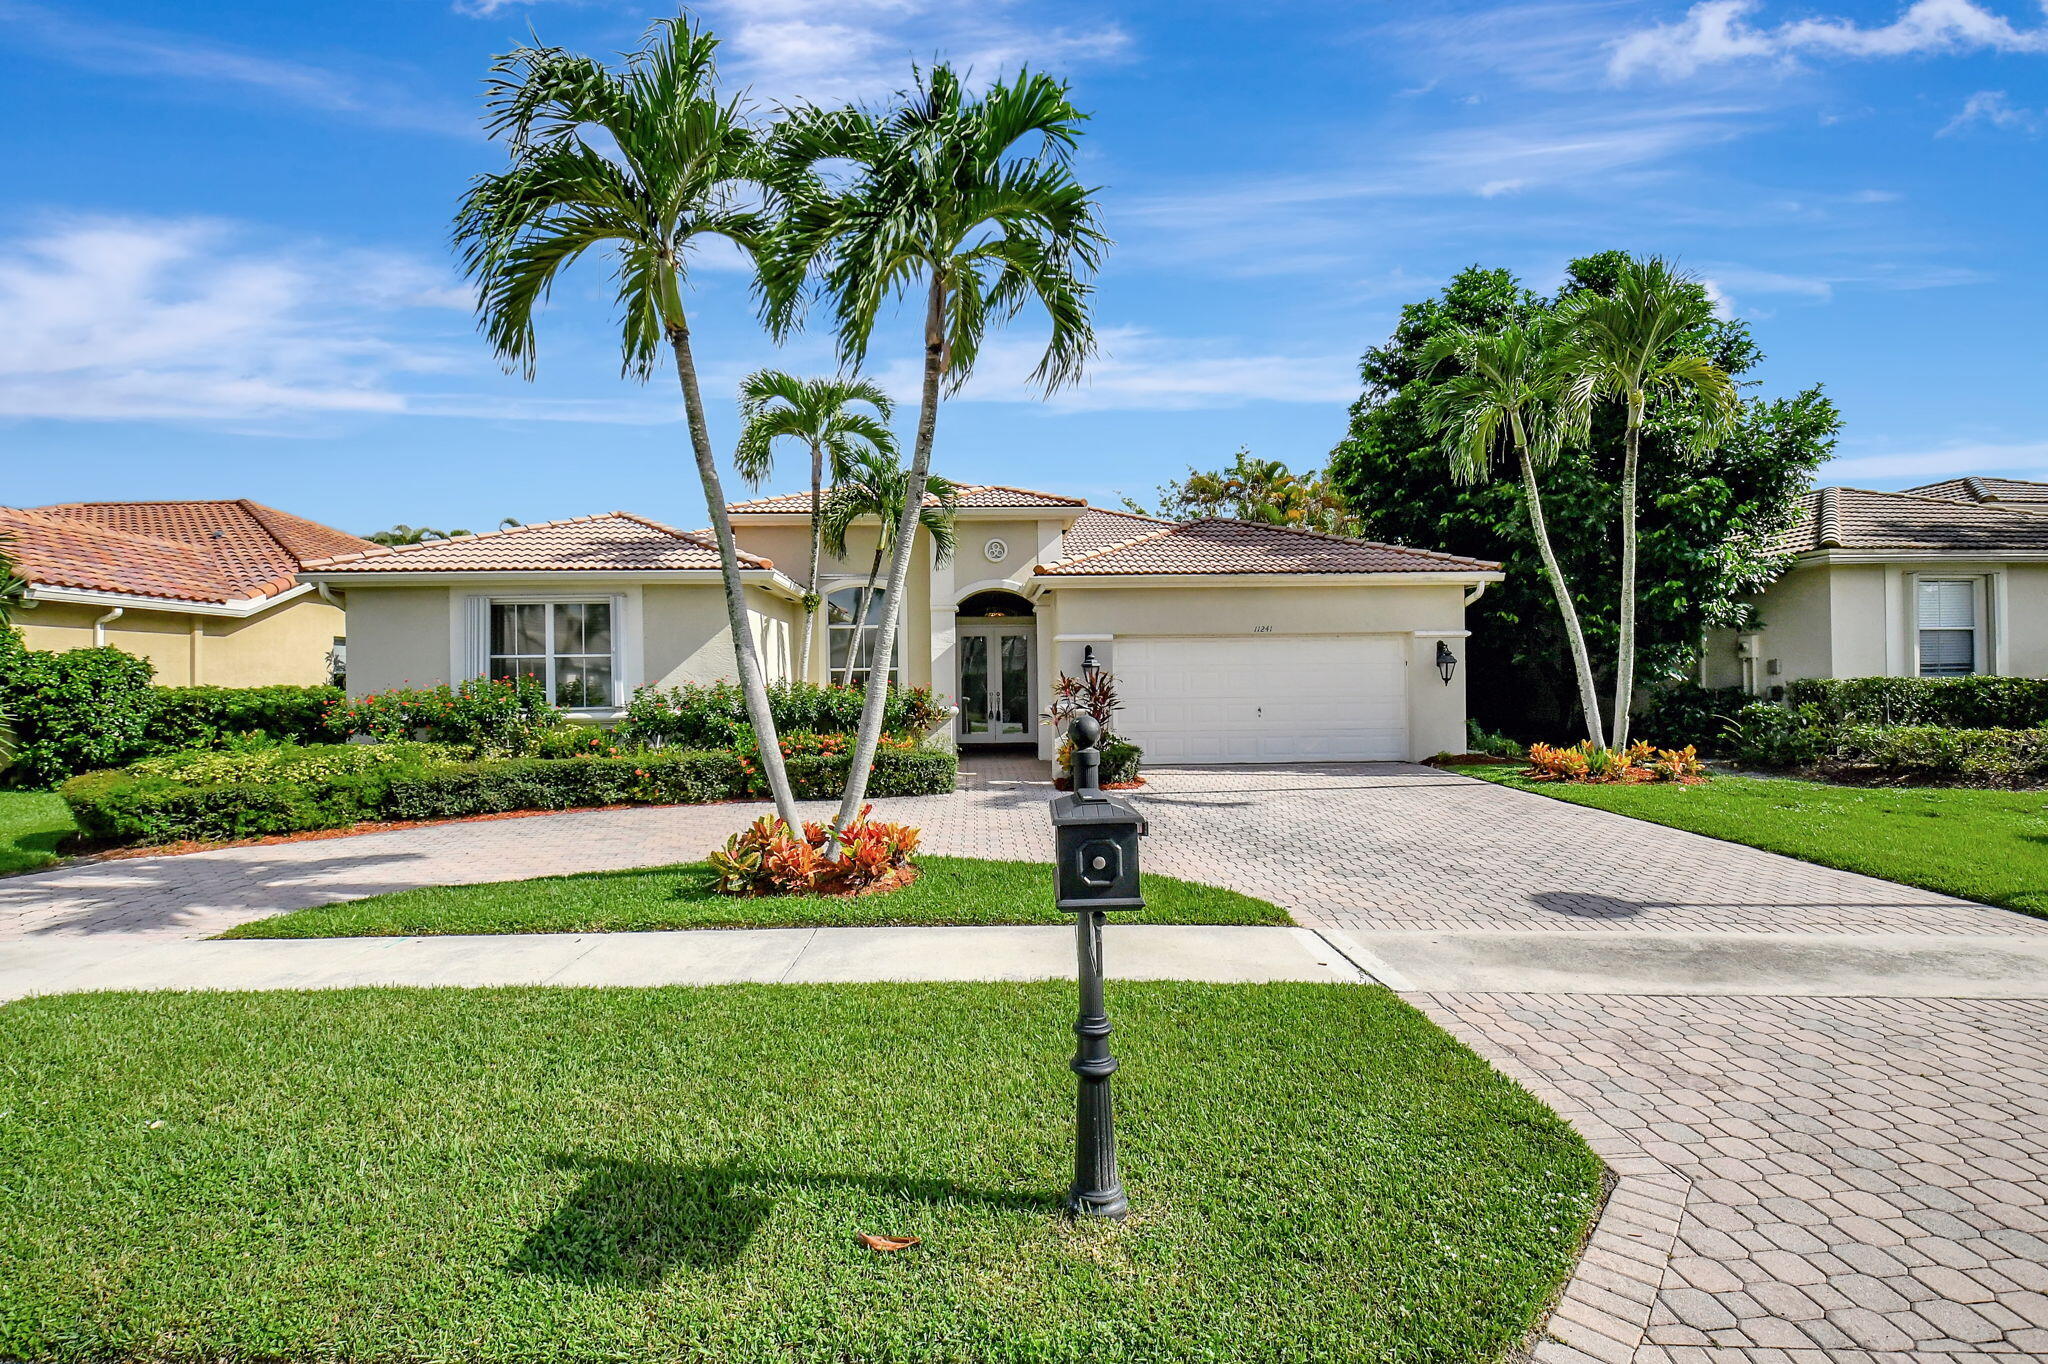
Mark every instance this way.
x=767 y=858
x=1583 y=762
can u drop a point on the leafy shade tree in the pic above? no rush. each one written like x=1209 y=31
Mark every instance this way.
x=975 y=201
x=1704 y=522
x=1262 y=490
x=874 y=487
x=644 y=163
x=1506 y=397
x=1630 y=342
x=825 y=417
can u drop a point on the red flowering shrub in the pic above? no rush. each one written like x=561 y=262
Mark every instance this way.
x=1582 y=762
x=766 y=858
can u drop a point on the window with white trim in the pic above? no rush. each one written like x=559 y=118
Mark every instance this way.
x=570 y=646
x=852 y=634
x=1948 y=614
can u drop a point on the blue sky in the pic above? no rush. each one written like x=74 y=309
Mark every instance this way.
x=224 y=270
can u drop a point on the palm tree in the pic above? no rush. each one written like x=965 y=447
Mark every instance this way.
x=821 y=414
x=874 y=487
x=402 y=534
x=1621 y=345
x=943 y=193
x=1505 y=397
x=13 y=587
x=643 y=162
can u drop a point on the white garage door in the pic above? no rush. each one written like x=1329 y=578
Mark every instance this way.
x=1265 y=698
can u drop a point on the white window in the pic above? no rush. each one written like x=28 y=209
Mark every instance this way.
x=570 y=646
x=1949 y=617
x=855 y=638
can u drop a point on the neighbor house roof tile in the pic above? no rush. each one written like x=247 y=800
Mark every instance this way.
x=1227 y=546
x=201 y=551
x=1864 y=519
x=1098 y=529
x=979 y=496
x=1975 y=489
x=608 y=542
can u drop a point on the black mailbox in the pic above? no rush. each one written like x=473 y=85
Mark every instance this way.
x=1095 y=836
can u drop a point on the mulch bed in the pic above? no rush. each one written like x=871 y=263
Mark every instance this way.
x=193 y=845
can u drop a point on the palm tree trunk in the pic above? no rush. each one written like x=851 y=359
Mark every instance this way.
x=1625 y=651
x=860 y=616
x=752 y=686
x=1589 y=699
x=817 y=551
x=870 y=734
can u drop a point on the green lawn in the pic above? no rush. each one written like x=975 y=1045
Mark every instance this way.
x=31 y=822
x=1989 y=846
x=1316 y=1172
x=948 y=890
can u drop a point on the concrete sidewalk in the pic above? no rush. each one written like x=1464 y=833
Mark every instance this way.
x=699 y=957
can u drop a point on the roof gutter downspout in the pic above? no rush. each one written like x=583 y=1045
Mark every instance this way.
x=1475 y=592
x=99 y=627
x=327 y=595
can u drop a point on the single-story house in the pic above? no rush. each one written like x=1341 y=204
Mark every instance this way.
x=1229 y=641
x=1944 y=580
x=207 y=591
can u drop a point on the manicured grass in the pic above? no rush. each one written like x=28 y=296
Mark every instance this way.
x=948 y=890
x=1989 y=846
x=31 y=822
x=1316 y=1173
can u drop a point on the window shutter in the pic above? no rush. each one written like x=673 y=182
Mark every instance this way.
x=476 y=636
x=620 y=644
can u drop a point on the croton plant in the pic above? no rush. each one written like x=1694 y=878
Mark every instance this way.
x=767 y=858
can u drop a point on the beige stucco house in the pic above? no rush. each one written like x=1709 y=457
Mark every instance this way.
x=1231 y=642
x=1944 y=580
x=207 y=591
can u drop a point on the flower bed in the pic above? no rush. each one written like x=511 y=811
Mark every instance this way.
x=1584 y=762
x=769 y=859
x=218 y=797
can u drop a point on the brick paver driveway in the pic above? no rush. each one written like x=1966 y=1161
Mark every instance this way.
x=1801 y=1179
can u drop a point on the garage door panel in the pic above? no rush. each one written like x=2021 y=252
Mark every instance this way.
x=1265 y=698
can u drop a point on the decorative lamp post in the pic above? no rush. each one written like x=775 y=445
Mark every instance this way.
x=1446 y=662
x=1095 y=840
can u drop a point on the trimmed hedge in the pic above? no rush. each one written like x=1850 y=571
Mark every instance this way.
x=714 y=714
x=1983 y=702
x=206 y=717
x=1935 y=753
x=142 y=808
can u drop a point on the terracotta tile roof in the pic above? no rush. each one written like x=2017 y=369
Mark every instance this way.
x=608 y=542
x=979 y=495
x=1220 y=545
x=1862 y=519
x=1099 y=529
x=2018 y=490
x=214 y=551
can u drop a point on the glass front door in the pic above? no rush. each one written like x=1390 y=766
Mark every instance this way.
x=995 y=684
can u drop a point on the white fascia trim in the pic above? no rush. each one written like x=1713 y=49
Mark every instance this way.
x=1938 y=557
x=248 y=606
x=1441 y=634
x=1426 y=579
x=1083 y=639
x=516 y=580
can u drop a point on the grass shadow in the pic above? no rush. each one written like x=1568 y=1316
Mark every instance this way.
x=632 y=1222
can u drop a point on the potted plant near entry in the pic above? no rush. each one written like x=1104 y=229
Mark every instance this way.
x=1093 y=694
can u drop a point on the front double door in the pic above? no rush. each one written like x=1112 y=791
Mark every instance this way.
x=996 y=691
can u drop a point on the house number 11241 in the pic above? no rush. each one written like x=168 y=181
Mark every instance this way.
x=1262 y=629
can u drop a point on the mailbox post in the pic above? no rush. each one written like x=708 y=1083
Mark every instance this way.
x=1095 y=840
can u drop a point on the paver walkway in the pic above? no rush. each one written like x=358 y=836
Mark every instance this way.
x=1802 y=1178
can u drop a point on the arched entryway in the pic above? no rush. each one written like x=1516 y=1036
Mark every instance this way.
x=997 y=645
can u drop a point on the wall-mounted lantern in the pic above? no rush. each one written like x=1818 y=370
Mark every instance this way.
x=1089 y=667
x=1446 y=662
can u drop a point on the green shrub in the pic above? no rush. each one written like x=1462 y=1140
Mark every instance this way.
x=492 y=787
x=897 y=772
x=1477 y=740
x=486 y=716
x=1687 y=714
x=714 y=714
x=207 y=717
x=1120 y=759
x=1934 y=753
x=123 y=807
x=287 y=764
x=1763 y=734
x=1984 y=702
x=76 y=711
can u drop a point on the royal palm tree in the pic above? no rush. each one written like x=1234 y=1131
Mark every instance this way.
x=1504 y=398
x=971 y=199
x=642 y=162
x=874 y=487
x=823 y=415
x=1623 y=344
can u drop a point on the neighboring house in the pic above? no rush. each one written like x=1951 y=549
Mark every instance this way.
x=206 y=591
x=1230 y=642
x=1944 y=580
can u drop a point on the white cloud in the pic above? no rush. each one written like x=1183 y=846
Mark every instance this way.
x=2024 y=460
x=1997 y=109
x=1140 y=370
x=119 y=49
x=1719 y=32
x=132 y=319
